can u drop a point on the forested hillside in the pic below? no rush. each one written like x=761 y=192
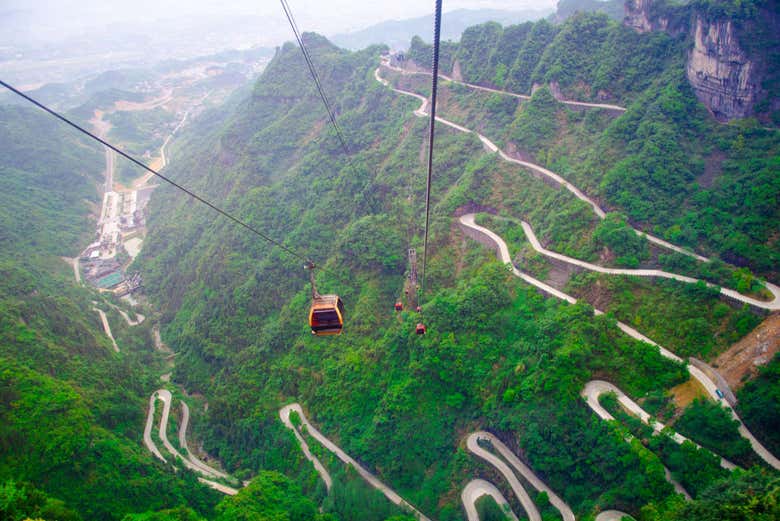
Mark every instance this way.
x=543 y=125
x=498 y=356
x=69 y=406
x=666 y=164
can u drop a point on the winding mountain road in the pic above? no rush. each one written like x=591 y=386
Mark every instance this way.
x=284 y=414
x=519 y=466
x=139 y=318
x=492 y=147
x=371 y=479
x=504 y=462
x=596 y=388
x=612 y=515
x=190 y=462
x=490 y=238
x=106 y=326
x=768 y=305
x=477 y=488
x=607 y=106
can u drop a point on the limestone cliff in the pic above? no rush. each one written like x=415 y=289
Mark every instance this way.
x=637 y=15
x=720 y=72
x=722 y=75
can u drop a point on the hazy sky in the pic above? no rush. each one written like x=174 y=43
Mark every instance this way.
x=65 y=17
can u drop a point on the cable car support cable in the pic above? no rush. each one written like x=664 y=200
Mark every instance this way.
x=173 y=183
x=316 y=78
x=434 y=87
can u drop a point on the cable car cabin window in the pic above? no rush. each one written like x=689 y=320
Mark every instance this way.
x=327 y=315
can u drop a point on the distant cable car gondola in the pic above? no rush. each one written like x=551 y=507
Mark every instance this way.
x=326 y=316
x=399 y=306
x=420 y=329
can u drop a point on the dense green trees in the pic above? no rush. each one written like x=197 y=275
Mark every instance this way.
x=759 y=404
x=497 y=355
x=713 y=427
x=70 y=409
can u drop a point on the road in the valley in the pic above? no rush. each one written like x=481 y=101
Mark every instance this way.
x=522 y=468
x=504 y=461
x=204 y=468
x=284 y=414
x=472 y=443
x=148 y=430
x=189 y=462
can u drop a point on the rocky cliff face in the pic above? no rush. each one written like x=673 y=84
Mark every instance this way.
x=637 y=15
x=723 y=77
x=720 y=72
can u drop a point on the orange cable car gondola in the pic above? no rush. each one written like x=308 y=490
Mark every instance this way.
x=326 y=315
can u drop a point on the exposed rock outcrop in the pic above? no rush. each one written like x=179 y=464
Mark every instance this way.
x=637 y=15
x=720 y=72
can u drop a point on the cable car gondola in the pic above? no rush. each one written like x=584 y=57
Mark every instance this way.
x=326 y=315
x=399 y=306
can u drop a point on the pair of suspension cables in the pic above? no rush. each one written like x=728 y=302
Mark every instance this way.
x=331 y=116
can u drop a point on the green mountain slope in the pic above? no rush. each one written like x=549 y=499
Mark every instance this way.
x=497 y=356
x=70 y=408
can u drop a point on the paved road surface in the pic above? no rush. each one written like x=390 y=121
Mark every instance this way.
x=510 y=457
x=612 y=515
x=148 y=430
x=372 y=480
x=476 y=489
x=529 y=475
x=284 y=414
x=503 y=254
x=544 y=171
x=165 y=396
x=106 y=326
x=607 y=106
x=531 y=236
x=522 y=495
x=206 y=469
x=139 y=318
x=596 y=388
